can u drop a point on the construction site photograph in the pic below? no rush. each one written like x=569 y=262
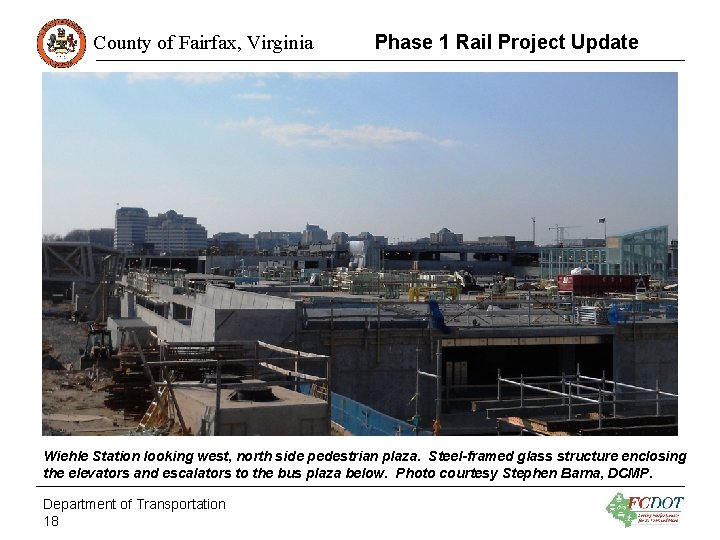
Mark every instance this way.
x=360 y=254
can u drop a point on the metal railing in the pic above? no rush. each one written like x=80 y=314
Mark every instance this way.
x=569 y=395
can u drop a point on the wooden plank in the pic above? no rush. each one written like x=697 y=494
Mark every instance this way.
x=617 y=422
x=291 y=352
x=668 y=430
x=556 y=411
x=292 y=373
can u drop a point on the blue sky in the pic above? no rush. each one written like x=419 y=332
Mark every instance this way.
x=399 y=154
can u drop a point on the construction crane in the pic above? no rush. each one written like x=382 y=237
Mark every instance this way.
x=560 y=232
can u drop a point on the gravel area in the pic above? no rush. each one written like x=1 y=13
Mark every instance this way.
x=64 y=337
x=71 y=403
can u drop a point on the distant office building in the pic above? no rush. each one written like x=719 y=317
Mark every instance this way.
x=171 y=232
x=270 y=240
x=445 y=236
x=233 y=241
x=313 y=234
x=339 y=238
x=130 y=227
x=504 y=241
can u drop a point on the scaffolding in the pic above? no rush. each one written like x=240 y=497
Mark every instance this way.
x=258 y=361
x=579 y=405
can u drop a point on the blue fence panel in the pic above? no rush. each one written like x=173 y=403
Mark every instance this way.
x=360 y=419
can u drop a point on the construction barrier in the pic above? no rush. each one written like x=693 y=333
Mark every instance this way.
x=360 y=419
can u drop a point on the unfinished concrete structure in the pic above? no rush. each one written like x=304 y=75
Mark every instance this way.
x=221 y=388
x=290 y=413
x=378 y=346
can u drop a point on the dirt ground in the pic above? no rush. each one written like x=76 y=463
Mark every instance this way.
x=71 y=403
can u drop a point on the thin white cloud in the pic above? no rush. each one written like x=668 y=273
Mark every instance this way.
x=80 y=74
x=324 y=75
x=254 y=96
x=326 y=136
x=195 y=78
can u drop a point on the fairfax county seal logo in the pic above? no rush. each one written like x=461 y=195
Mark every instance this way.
x=61 y=43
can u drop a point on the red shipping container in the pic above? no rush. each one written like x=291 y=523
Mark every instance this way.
x=597 y=285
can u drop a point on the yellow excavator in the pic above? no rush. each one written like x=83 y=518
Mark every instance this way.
x=98 y=347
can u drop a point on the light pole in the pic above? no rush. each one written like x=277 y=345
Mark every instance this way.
x=604 y=222
x=533 y=220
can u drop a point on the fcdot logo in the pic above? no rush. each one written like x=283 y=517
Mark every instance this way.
x=645 y=510
x=61 y=43
x=655 y=503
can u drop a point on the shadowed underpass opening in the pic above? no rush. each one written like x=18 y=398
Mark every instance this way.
x=472 y=372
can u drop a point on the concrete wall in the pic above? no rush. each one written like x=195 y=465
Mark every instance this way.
x=167 y=329
x=127 y=305
x=202 y=326
x=141 y=328
x=385 y=382
x=385 y=379
x=222 y=298
x=647 y=352
x=262 y=317
x=276 y=326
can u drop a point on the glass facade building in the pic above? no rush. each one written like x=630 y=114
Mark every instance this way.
x=130 y=226
x=644 y=251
